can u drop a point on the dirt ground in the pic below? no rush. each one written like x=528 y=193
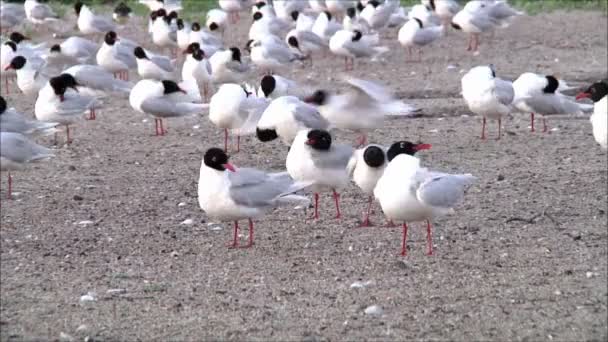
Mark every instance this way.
x=524 y=258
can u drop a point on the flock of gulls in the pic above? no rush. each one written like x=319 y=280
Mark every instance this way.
x=190 y=71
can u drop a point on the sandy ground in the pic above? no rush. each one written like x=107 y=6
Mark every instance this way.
x=524 y=258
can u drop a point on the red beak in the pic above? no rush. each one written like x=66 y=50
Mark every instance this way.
x=183 y=91
x=420 y=147
x=7 y=67
x=61 y=98
x=583 y=96
x=310 y=142
x=229 y=166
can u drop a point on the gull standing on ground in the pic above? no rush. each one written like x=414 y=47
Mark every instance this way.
x=487 y=95
x=285 y=117
x=353 y=44
x=38 y=13
x=414 y=33
x=425 y=14
x=313 y=158
x=115 y=56
x=198 y=68
x=305 y=43
x=234 y=108
x=361 y=108
x=444 y=9
x=598 y=93
x=74 y=50
x=30 y=75
x=275 y=86
x=216 y=20
x=122 y=13
x=232 y=194
x=13 y=121
x=264 y=25
x=89 y=23
x=368 y=163
x=163 y=35
x=539 y=94
x=474 y=19
x=410 y=193
x=227 y=66
x=324 y=26
x=377 y=15
x=16 y=151
x=271 y=53
x=154 y=67
x=164 y=99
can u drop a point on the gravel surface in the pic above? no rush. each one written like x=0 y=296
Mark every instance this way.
x=107 y=240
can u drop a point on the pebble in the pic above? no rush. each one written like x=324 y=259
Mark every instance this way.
x=85 y=222
x=214 y=226
x=82 y=328
x=361 y=284
x=174 y=254
x=63 y=337
x=187 y=221
x=116 y=291
x=557 y=292
x=181 y=204
x=373 y=310
x=78 y=198
x=500 y=178
x=89 y=297
x=591 y=274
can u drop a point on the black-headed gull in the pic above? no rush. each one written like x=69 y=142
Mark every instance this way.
x=154 y=67
x=271 y=53
x=116 y=56
x=163 y=34
x=474 y=19
x=59 y=101
x=13 y=121
x=354 y=44
x=275 y=86
x=232 y=194
x=74 y=50
x=314 y=158
x=352 y=21
x=265 y=25
x=425 y=14
x=165 y=99
x=378 y=14
x=303 y=22
x=487 y=95
x=198 y=68
x=235 y=108
x=216 y=20
x=444 y=9
x=598 y=93
x=367 y=165
x=414 y=33
x=8 y=51
x=122 y=13
x=285 y=117
x=30 y=75
x=324 y=26
x=410 y=193
x=16 y=150
x=227 y=66
x=89 y=23
x=540 y=94
x=305 y=42
x=361 y=108
x=207 y=41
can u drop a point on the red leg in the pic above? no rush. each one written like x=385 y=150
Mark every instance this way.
x=476 y=42
x=390 y=223
x=316 y=214
x=345 y=63
x=162 y=129
x=337 y=200
x=238 y=143
x=225 y=139
x=9 y=195
x=6 y=86
x=156 y=126
x=403 y=245
x=409 y=54
x=544 y=125
x=532 y=123
x=250 y=235
x=499 y=126
x=67 y=130
x=429 y=238
x=235 y=241
x=483 y=129
x=366 y=222
x=469 y=47
x=206 y=92
x=362 y=139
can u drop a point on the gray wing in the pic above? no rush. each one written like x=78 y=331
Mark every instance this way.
x=18 y=148
x=483 y=22
x=165 y=108
x=311 y=38
x=254 y=188
x=163 y=63
x=444 y=191
x=359 y=50
x=309 y=117
x=95 y=77
x=504 y=91
x=336 y=158
x=237 y=67
x=369 y=89
x=279 y=53
x=551 y=104
x=42 y=12
x=125 y=54
x=501 y=10
x=102 y=24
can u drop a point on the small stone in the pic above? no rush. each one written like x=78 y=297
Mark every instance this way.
x=89 y=297
x=116 y=291
x=187 y=222
x=78 y=198
x=575 y=235
x=373 y=310
x=82 y=328
x=85 y=223
x=557 y=292
x=181 y=204
x=63 y=337
x=174 y=254
x=361 y=284
x=500 y=178
x=72 y=168
x=590 y=274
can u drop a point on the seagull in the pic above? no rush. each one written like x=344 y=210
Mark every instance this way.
x=11 y=15
x=353 y=44
x=8 y=51
x=13 y=121
x=362 y=107
x=122 y=13
x=338 y=7
x=198 y=68
x=272 y=53
x=182 y=35
x=207 y=41
x=263 y=26
x=410 y=193
x=444 y=9
x=424 y=14
x=275 y=86
x=24 y=48
x=305 y=42
x=313 y=158
x=377 y=15
x=317 y=6
x=368 y=163
x=487 y=95
x=154 y=67
x=16 y=151
x=233 y=107
x=162 y=33
x=74 y=50
x=89 y=23
x=303 y=21
x=39 y=13
x=285 y=116
x=227 y=66
x=413 y=33
x=57 y=103
x=163 y=99
x=598 y=93
x=216 y=20
x=324 y=26
x=540 y=94
x=116 y=56
x=229 y=193
x=30 y=76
